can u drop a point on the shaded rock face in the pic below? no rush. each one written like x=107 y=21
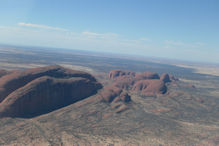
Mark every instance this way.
x=42 y=90
x=118 y=73
x=165 y=78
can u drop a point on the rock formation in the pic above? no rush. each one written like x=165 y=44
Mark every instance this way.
x=41 y=90
x=148 y=83
x=15 y=80
x=124 y=82
x=150 y=87
x=124 y=97
x=118 y=73
x=147 y=75
x=109 y=93
x=165 y=78
x=116 y=97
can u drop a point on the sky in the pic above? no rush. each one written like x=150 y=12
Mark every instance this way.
x=175 y=29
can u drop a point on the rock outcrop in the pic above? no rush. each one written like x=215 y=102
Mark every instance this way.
x=165 y=78
x=116 y=97
x=146 y=75
x=150 y=87
x=148 y=83
x=118 y=73
x=109 y=93
x=124 y=82
x=42 y=90
x=17 y=79
x=124 y=97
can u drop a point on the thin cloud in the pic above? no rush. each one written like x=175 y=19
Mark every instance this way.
x=99 y=35
x=185 y=45
x=91 y=33
x=41 y=26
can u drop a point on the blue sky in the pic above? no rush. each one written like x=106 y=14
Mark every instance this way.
x=175 y=29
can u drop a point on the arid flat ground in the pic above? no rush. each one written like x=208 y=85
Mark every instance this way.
x=203 y=69
x=185 y=115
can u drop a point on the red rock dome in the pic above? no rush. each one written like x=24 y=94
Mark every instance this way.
x=41 y=90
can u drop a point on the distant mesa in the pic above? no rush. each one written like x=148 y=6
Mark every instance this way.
x=41 y=90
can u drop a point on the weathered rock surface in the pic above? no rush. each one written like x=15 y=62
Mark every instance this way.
x=116 y=97
x=15 y=80
x=146 y=75
x=125 y=97
x=124 y=82
x=118 y=73
x=150 y=87
x=109 y=93
x=38 y=91
x=148 y=83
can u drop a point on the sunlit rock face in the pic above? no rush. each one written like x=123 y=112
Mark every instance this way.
x=150 y=87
